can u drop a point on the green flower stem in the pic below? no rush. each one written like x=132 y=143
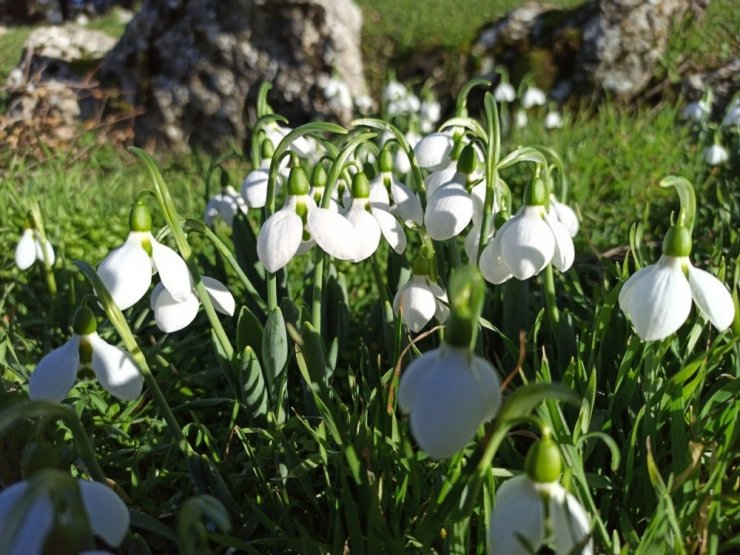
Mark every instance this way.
x=119 y=323
x=66 y=414
x=550 y=302
x=686 y=195
x=493 y=152
x=382 y=289
x=461 y=106
x=38 y=222
x=317 y=289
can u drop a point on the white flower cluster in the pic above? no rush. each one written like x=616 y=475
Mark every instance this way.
x=727 y=132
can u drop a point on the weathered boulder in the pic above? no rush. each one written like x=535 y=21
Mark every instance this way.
x=194 y=66
x=610 y=46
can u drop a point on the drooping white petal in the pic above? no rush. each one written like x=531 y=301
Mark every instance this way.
x=378 y=193
x=504 y=92
x=433 y=151
x=440 y=177
x=407 y=205
x=391 y=230
x=448 y=212
x=49 y=251
x=36 y=523
x=478 y=196
x=127 y=271
x=56 y=373
x=254 y=188
x=712 y=297
x=25 y=252
x=416 y=303
x=527 y=243
x=108 y=515
x=212 y=210
x=221 y=297
x=279 y=238
x=565 y=215
x=333 y=233
x=409 y=385
x=115 y=369
x=173 y=271
x=517 y=524
x=565 y=253
x=661 y=301
x=491 y=264
x=401 y=162
x=553 y=120
x=367 y=230
x=172 y=315
x=569 y=521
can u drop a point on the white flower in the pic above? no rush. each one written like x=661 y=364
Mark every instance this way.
x=127 y=271
x=418 y=301
x=172 y=315
x=225 y=205
x=29 y=250
x=715 y=155
x=433 y=151
x=732 y=115
x=406 y=204
x=504 y=92
x=338 y=94
x=448 y=393
x=565 y=215
x=301 y=146
x=519 y=515
x=56 y=373
x=254 y=188
x=430 y=113
x=449 y=210
x=657 y=299
x=696 y=111
x=520 y=118
x=533 y=97
x=364 y=104
x=525 y=244
x=107 y=515
x=394 y=91
x=553 y=120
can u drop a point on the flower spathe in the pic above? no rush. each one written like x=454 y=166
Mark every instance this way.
x=448 y=392
x=107 y=515
x=418 y=301
x=517 y=525
x=29 y=249
x=657 y=299
x=172 y=315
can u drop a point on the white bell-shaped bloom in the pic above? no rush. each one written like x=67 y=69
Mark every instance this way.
x=364 y=104
x=172 y=315
x=696 y=111
x=553 y=120
x=449 y=210
x=394 y=91
x=565 y=215
x=225 y=205
x=448 y=392
x=504 y=92
x=657 y=299
x=333 y=233
x=433 y=151
x=439 y=177
x=518 y=520
x=56 y=373
x=405 y=203
x=520 y=119
x=107 y=515
x=29 y=250
x=254 y=188
x=282 y=233
x=338 y=94
x=525 y=244
x=127 y=271
x=533 y=96
x=418 y=301
x=429 y=115
x=716 y=154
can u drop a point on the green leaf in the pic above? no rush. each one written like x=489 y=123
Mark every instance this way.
x=249 y=330
x=521 y=403
x=274 y=346
x=252 y=383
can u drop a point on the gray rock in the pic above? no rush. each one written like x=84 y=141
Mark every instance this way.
x=194 y=66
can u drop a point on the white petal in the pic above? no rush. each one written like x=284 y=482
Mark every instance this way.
x=416 y=303
x=391 y=230
x=527 y=244
x=49 y=251
x=517 y=524
x=221 y=297
x=56 y=373
x=127 y=272
x=712 y=297
x=254 y=188
x=436 y=179
x=570 y=522
x=172 y=315
x=173 y=271
x=407 y=205
x=333 y=233
x=565 y=215
x=478 y=195
x=491 y=263
x=401 y=162
x=211 y=212
x=434 y=150
x=448 y=212
x=108 y=515
x=659 y=303
x=413 y=376
x=378 y=194
x=565 y=253
x=25 y=252
x=367 y=230
x=279 y=238
x=36 y=523
x=115 y=369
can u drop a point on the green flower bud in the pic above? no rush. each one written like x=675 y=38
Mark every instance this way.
x=386 y=160
x=140 y=219
x=677 y=241
x=543 y=462
x=83 y=322
x=502 y=216
x=468 y=160
x=536 y=193
x=457 y=148
x=39 y=455
x=297 y=181
x=466 y=293
x=319 y=176
x=360 y=186
x=267 y=149
x=420 y=266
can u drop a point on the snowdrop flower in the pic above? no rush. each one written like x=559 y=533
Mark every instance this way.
x=533 y=96
x=528 y=242
x=420 y=299
x=364 y=104
x=337 y=93
x=406 y=204
x=225 y=205
x=115 y=369
x=657 y=299
x=127 y=271
x=107 y=515
x=553 y=120
x=565 y=215
x=696 y=111
x=504 y=92
x=29 y=249
x=430 y=112
x=732 y=115
x=520 y=118
x=716 y=155
x=254 y=187
x=172 y=315
x=276 y=133
x=433 y=151
x=394 y=91
x=524 y=505
x=401 y=161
